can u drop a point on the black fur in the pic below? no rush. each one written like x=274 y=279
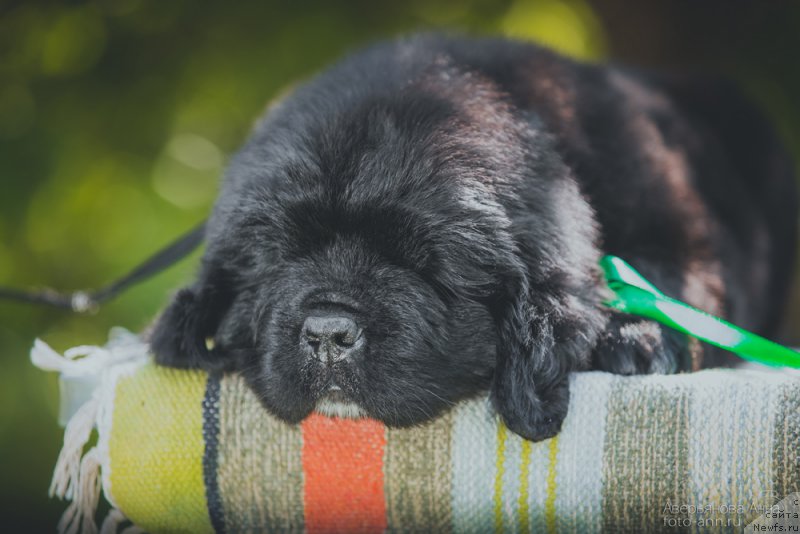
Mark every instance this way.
x=454 y=196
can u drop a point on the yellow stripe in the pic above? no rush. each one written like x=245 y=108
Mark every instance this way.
x=498 y=478
x=157 y=477
x=550 y=503
x=522 y=503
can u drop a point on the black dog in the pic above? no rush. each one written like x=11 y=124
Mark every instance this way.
x=423 y=222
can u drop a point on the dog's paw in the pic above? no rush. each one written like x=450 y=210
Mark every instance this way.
x=178 y=338
x=543 y=418
x=632 y=346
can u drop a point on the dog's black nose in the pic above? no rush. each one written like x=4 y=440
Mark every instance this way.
x=333 y=338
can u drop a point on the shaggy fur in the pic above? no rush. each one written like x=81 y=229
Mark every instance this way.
x=452 y=197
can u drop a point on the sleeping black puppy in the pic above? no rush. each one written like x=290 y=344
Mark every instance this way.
x=422 y=223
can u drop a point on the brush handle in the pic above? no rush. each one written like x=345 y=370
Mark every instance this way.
x=635 y=295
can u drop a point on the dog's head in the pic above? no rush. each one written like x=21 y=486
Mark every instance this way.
x=359 y=258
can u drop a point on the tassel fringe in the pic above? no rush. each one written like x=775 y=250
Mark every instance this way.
x=77 y=476
x=67 y=471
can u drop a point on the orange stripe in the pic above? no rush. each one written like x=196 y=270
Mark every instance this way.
x=343 y=471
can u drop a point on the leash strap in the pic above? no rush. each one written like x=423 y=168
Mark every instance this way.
x=89 y=300
x=637 y=296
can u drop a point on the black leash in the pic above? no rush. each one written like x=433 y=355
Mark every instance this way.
x=89 y=300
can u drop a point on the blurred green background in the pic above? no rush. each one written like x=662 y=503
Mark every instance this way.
x=116 y=119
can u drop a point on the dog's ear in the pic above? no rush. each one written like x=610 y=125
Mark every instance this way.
x=183 y=335
x=530 y=389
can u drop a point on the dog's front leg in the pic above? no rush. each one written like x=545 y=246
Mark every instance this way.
x=544 y=336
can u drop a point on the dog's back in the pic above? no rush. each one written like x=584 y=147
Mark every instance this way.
x=685 y=175
x=755 y=191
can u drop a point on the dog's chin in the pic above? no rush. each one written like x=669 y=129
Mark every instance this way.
x=336 y=404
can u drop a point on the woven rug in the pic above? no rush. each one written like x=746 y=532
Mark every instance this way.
x=181 y=451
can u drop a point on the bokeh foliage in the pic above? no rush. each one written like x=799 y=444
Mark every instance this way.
x=117 y=116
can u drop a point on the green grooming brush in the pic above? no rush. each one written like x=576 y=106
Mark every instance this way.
x=636 y=296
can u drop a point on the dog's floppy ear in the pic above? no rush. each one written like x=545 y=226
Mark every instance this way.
x=530 y=389
x=183 y=333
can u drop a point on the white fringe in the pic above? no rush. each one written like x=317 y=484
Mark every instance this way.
x=79 y=516
x=77 y=476
x=114 y=519
x=76 y=436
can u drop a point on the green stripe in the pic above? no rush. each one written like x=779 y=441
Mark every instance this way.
x=418 y=477
x=260 y=469
x=646 y=460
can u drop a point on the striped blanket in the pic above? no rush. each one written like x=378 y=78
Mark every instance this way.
x=182 y=451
